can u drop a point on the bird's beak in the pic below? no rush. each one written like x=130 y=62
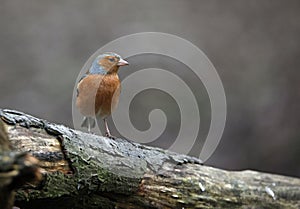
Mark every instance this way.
x=122 y=62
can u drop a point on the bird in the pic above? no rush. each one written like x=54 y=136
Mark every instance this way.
x=98 y=90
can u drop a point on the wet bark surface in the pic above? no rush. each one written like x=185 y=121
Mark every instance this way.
x=88 y=171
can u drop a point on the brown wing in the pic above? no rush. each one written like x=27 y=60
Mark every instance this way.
x=87 y=91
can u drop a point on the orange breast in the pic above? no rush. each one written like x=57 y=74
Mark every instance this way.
x=98 y=95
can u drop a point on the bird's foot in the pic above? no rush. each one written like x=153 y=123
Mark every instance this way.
x=107 y=134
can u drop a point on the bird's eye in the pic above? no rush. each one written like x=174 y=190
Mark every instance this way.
x=111 y=59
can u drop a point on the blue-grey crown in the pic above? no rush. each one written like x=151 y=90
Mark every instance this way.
x=98 y=69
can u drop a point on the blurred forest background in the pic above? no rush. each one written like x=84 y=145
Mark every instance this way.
x=254 y=45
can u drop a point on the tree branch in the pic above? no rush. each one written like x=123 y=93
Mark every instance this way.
x=88 y=171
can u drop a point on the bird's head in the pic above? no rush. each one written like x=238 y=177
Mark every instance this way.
x=107 y=63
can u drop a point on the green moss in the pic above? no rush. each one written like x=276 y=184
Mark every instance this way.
x=55 y=184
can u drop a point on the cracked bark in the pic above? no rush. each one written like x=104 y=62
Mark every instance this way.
x=88 y=171
x=16 y=169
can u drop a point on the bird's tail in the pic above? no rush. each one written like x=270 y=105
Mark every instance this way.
x=88 y=122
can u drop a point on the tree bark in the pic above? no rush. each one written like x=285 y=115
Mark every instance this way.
x=16 y=170
x=87 y=171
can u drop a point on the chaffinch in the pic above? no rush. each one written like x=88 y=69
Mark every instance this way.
x=99 y=89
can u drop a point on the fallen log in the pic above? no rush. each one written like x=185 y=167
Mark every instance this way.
x=88 y=171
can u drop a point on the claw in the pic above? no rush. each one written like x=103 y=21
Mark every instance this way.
x=107 y=134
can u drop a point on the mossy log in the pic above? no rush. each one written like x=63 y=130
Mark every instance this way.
x=87 y=171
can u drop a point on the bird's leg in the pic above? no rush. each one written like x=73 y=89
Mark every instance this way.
x=89 y=126
x=107 y=134
x=107 y=130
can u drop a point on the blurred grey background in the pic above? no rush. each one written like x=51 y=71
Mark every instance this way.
x=254 y=45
